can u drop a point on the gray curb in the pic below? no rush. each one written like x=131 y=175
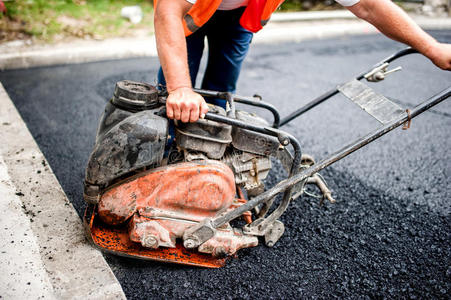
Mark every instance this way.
x=77 y=52
x=312 y=16
x=45 y=252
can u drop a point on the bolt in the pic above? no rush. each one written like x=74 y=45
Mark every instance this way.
x=270 y=243
x=150 y=241
x=220 y=252
x=190 y=243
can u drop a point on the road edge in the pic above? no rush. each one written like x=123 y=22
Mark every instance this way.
x=72 y=268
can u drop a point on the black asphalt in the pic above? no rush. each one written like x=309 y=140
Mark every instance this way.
x=388 y=235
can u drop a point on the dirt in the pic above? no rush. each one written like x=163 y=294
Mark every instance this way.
x=13 y=33
x=11 y=30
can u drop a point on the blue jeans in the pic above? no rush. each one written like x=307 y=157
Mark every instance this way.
x=228 y=44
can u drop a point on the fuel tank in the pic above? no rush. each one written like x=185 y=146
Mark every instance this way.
x=131 y=136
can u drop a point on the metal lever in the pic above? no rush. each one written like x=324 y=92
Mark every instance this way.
x=379 y=73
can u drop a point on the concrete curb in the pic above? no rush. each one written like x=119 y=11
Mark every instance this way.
x=289 y=27
x=77 y=52
x=312 y=15
x=284 y=27
x=45 y=253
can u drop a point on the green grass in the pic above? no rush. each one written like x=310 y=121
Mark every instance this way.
x=52 y=19
x=300 y=5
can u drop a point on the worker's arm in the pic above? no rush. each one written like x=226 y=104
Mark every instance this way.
x=182 y=103
x=392 y=21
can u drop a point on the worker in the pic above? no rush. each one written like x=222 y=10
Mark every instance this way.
x=182 y=25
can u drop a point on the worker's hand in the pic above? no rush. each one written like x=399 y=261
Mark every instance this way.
x=185 y=105
x=440 y=55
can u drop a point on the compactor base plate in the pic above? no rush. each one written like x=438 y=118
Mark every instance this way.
x=115 y=240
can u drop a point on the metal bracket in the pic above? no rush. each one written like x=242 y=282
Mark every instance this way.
x=198 y=234
x=376 y=105
x=274 y=233
x=379 y=73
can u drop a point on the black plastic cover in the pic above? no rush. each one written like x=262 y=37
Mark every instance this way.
x=135 y=142
x=135 y=96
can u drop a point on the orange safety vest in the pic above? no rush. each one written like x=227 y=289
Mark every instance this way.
x=255 y=16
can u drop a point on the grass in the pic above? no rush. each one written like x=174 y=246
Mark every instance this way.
x=301 y=5
x=53 y=20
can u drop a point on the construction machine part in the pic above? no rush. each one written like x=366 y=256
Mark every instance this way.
x=130 y=136
x=205 y=136
x=135 y=96
x=250 y=170
x=317 y=180
x=274 y=233
x=129 y=97
x=192 y=198
x=137 y=141
x=115 y=240
x=227 y=242
x=376 y=105
x=255 y=100
x=112 y=115
x=165 y=201
x=251 y=141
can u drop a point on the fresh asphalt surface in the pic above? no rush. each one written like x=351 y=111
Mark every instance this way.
x=388 y=235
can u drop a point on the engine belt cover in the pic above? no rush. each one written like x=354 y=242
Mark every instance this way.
x=195 y=190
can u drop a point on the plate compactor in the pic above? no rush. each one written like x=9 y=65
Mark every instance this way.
x=194 y=193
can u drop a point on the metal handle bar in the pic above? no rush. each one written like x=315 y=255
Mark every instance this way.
x=202 y=232
x=283 y=137
x=253 y=101
x=327 y=95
